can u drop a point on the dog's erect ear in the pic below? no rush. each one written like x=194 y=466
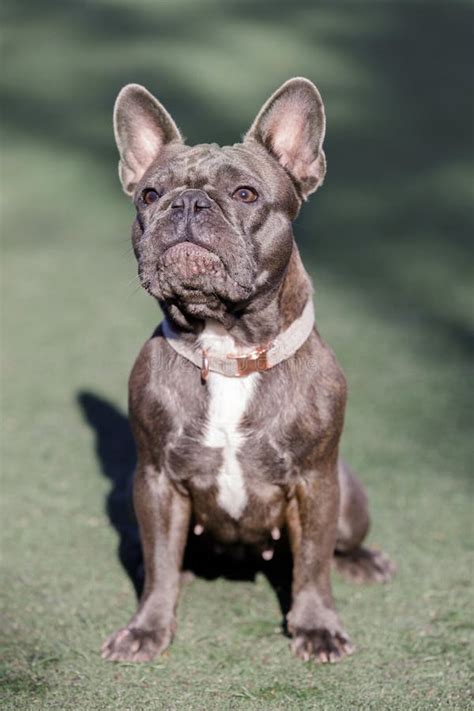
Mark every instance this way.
x=291 y=126
x=142 y=126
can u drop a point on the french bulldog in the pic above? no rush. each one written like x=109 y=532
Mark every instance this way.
x=236 y=403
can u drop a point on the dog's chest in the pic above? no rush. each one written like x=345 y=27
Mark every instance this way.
x=229 y=399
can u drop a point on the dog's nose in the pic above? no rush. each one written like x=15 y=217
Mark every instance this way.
x=190 y=202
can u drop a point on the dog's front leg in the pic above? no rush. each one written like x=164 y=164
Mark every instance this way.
x=163 y=516
x=312 y=522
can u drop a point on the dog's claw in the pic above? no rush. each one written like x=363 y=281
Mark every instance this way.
x=321 y=645
x=365 y=565
x=134 y=645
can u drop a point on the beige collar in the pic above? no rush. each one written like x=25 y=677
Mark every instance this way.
x=237 y=365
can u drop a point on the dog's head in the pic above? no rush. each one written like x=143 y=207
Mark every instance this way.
x=213 y=228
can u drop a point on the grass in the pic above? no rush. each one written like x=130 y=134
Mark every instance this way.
x=387 y=243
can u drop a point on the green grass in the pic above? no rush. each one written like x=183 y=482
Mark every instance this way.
x=387 y=243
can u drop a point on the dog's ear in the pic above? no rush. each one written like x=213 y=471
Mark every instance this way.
x=142 y=126
x=291 y=126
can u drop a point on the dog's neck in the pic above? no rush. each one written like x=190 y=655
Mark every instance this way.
x=266 y=316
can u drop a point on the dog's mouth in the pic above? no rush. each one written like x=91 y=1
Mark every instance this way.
x=196 y=280
x=191 y=267
x=190 y=261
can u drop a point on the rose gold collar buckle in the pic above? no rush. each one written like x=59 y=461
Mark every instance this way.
x=254 y=362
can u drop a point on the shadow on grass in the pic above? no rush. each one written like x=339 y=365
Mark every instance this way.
x=116 y=454
x=115 y=450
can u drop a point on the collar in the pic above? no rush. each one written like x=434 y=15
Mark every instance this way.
x=237 y=365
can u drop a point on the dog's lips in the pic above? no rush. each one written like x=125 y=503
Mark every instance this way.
x=190 y=273
x=189 y=260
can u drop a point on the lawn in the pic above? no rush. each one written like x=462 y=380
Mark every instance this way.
x=386 y=241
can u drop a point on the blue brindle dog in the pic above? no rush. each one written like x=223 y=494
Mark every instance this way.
x=236 y=403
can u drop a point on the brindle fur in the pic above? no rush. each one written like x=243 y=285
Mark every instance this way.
x=292 y=426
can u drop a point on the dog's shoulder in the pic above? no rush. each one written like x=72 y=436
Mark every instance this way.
x=320 y=392
x=161 y=380
x=316 y=365
x=147 y=364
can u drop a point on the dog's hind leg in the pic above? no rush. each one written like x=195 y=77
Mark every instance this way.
x=353 y=560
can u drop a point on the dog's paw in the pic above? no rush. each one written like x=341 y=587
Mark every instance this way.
x=132 y=644
x=321 y=645
x=365 y=565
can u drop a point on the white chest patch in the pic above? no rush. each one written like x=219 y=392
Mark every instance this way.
x=228 y=401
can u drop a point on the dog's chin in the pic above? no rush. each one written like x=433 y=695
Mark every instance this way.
x=195 y=281
x=191 y=263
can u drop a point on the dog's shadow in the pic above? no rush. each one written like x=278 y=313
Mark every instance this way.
x=116 y=454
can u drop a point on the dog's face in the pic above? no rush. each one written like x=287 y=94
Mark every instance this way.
x=213 y=227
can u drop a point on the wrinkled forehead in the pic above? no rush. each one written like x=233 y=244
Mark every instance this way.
x=209 y=164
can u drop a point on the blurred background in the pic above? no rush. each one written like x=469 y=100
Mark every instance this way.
x=387 y=241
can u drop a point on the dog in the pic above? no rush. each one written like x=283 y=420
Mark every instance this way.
x=236 y=403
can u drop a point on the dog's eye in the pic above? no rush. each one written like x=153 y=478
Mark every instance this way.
x=149 y=195
x=245 y=194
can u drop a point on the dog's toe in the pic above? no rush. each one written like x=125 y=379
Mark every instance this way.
x=133 y=645
x=365 y=565
x=321 y=645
